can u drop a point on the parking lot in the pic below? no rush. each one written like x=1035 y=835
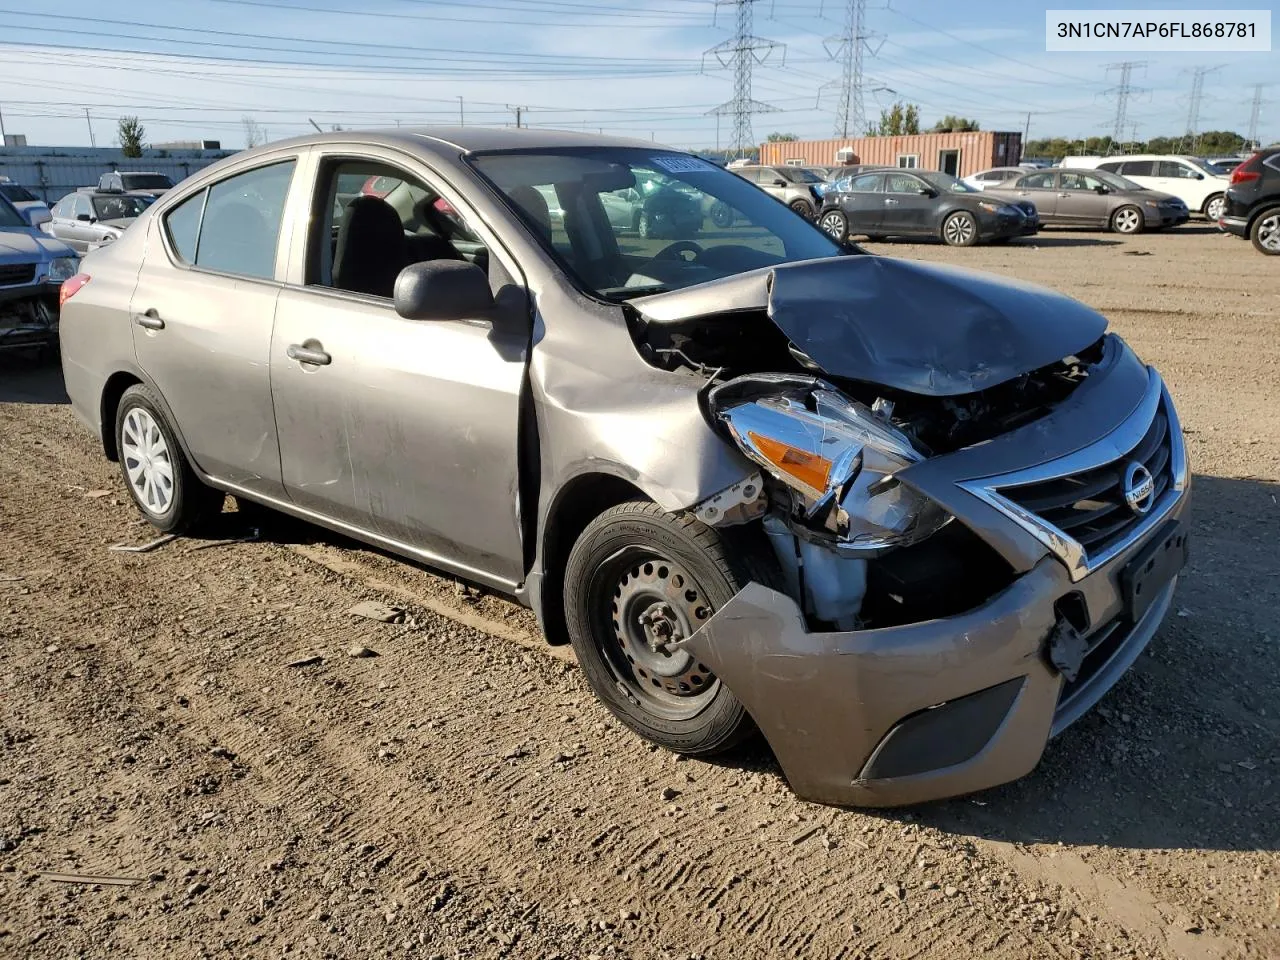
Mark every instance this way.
x=461 y=794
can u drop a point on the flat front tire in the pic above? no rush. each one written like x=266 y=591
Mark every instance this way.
x=156 y=471
x=637 y=579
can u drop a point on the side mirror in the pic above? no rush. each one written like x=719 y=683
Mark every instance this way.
x=779 y=182
x=443 y=290
x=1102 y=188
x=927 y=192
x=1199 y=176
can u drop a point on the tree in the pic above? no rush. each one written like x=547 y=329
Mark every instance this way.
x=900 y=119
x=782 y=137
x=950 y=124
x=254 y=135
x=130 y=132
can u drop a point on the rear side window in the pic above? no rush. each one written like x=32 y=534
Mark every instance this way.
x=1037 y=181
x=183 y=225
x=867 y=183
x=1139 y=168
x=234 y=225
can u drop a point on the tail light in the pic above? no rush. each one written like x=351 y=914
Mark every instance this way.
x=70 y=287
x=1248 y=171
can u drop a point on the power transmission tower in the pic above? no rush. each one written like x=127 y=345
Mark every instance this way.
x=848 y=47
x=1122 y=91
x=1255 y=114
x=1190 y=139
x=741 y=53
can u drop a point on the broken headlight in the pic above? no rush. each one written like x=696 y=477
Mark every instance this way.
x=839 y=461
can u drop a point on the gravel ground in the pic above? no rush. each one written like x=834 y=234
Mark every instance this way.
x=164 y=719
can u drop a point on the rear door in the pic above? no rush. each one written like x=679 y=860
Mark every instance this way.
x=1082 y=199
x=406 y=430
x=1042 y=190
x=910 y=205
x=863 y=203
x=202 y=314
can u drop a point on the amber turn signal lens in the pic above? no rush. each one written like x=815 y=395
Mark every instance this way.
x=809 y=468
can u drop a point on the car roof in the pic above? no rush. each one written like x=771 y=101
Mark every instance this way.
x=450 y=141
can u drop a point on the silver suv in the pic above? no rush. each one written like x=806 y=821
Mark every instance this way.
x=907 y=521
x=794 y=186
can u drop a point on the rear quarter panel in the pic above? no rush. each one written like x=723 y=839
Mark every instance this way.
x=94 y=327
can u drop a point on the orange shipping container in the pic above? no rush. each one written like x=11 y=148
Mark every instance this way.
x=960 y=154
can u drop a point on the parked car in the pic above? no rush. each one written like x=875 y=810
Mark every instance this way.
x=1093 y=198
x=89 y=218
x=143 y=183
x=995 y=177
x=901 y=203
x=794 y=186
x=34 y=210
x=32 y=266
x=906 y=520
x=1195 y=182
x=1253 y=201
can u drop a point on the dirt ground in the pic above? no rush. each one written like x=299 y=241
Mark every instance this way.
x=462 y=795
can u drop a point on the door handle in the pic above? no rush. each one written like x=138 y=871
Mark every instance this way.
x=889 y=201
x=151 y=320
x=1065 y=195
x=305 y=354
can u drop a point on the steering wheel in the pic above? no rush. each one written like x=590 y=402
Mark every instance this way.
x=672 y=251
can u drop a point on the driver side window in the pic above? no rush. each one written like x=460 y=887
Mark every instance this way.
x=371 y=220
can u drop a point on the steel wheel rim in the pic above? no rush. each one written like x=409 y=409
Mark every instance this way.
x=670 y=683
x=1214 y=210
x=1127 y=221
x=147 y=462
x=1269 y=232
x=833 y=224
x=959 y=229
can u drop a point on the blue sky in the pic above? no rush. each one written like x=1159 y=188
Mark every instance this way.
x=196 y=68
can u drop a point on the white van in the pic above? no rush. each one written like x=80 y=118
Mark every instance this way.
x=1192 y=180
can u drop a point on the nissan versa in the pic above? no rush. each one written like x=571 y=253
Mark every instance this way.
x=905 y=520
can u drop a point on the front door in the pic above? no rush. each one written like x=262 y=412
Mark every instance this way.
x=1082 y=199
x=202 y=312
x=909 y=205
x=406 y=430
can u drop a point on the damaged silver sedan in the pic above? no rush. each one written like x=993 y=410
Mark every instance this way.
x=907 y=522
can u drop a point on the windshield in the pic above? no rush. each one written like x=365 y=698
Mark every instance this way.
x=948 y=183
x=119 y=207
x=9 y=217
x=16 y=192
x=626 y=222
x=1115 y=180
x=1206 y=166
x=145 y=181
x=801 y=175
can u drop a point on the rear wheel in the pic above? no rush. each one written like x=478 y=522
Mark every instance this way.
x=803 y=207
x=1265 y=233
x=1127 y=220
x=1214 y=206
x=721 y=214
x=834 y=224
x=960 y=229
x=637 y=581
x=156 y=472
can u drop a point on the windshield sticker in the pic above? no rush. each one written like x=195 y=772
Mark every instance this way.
x=682 y=164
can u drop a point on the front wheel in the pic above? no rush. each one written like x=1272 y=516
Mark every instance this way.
x=1265 y=233
x=835 y=225
x=1214 y=206
x=803 y=208
x=960 y=230
x=638 y=580
x=1127 y=220
x=722 y=214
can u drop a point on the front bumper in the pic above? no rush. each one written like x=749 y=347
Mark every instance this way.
x=906 y=714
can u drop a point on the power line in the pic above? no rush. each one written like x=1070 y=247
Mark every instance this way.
x=1255 y=114
x=1122 y=91
x=741 y=53
x=1191 y=139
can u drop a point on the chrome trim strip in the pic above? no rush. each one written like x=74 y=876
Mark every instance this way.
x=1110 y=448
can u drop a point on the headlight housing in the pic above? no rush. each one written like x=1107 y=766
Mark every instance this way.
x=62 y=268
x=838 y=459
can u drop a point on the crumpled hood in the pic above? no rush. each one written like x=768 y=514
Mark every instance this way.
x=923 y=328
x=28 y=245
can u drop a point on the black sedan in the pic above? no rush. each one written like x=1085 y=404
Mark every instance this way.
x=908 y=203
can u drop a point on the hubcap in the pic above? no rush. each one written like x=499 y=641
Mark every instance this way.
x=959 y=229
x=1127 y=221
x=1269 y=232
x=654 y=604
x=147 y=462
x=1214 y=210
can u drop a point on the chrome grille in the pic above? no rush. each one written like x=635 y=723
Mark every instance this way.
x=14 y=273
x=1090 y=506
